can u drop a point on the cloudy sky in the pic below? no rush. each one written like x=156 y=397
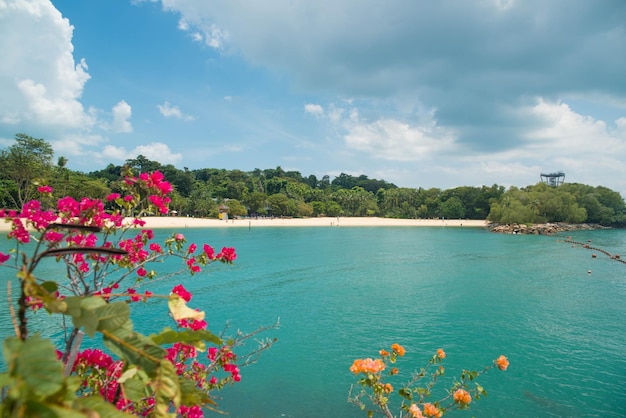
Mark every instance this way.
x=420 y=93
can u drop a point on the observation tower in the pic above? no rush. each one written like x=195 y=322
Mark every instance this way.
x=553 y=179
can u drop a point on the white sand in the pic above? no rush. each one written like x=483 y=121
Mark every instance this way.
x=181 y=222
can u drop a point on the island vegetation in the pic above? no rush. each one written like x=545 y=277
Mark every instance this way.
x=276 y=192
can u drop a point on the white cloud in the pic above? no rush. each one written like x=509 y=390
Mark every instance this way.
x=167 y=110
x=121 y=113
x=314 y=109
x=40 y=82
x=334 y=114
x=392 y=139
x=200 y=30
x=564 y=131
x=156 y=151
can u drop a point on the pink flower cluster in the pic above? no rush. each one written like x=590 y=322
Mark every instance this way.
x=98 y=371
x=44 y=189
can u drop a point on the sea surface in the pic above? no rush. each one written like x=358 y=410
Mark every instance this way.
x=343 y=293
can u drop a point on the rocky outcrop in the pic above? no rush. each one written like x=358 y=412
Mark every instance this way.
x=541 y=229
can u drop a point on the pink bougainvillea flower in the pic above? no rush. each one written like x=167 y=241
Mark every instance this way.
x=212 y=353
x=19 y=232
x=209 y=251
x=142 y=272
x=139 y=222
x=134 y=297
x=179 y=237
x=53 y=236
x=190 y=411
x=182 y=292
x=113 y=196
x=227 y=254
x=4 y=257
x=156 y=177
x=44 y=189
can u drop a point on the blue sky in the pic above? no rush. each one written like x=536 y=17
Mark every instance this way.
x=416 y=92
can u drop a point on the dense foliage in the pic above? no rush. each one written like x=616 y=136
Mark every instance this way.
x=275 y=192
x=570 y=203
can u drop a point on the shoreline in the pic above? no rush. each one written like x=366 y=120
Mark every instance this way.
x=162 y=222
x=183 y=222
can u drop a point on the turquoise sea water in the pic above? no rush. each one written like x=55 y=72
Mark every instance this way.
x=344 y=293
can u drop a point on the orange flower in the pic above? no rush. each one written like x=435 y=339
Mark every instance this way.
x=462 y=396
x=367 y=366
x=384 y=353
x=398 y=349
x=432 y=411
x=415 y=412
x=502 y=363
x=441 y=354
x=393 y=371
x=388 y=388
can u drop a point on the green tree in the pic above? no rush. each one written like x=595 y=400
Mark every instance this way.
x=356 y=201
x=256 y=202
x=25 y=163
x=279 y=204
x=333 y=209
x=201 y=204
x=235 y=208
x=452 y=208
x=319 y=208
x=142 y=164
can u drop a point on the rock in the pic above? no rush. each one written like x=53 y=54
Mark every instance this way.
x=540 y=229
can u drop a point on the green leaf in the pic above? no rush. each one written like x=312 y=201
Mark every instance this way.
x=88 y=320
x=192 y=395
x=128 y=374
x=33 y=408
x=167 y=388
x=10 y=349
x=112 y=316
x=98 y=405
x=187 y=336
x=73 y=305
x=135 y=389
x=83 y=312
x=50 y=286
x=135 y=348
x=406 y=393
x=37 y=364
x=5 y=380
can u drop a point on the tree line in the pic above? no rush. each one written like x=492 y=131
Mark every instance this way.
x=206 y=192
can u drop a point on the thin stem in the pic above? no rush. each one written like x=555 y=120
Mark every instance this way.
x=12 y=310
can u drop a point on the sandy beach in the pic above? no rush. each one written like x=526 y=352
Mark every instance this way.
x=184 y=222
